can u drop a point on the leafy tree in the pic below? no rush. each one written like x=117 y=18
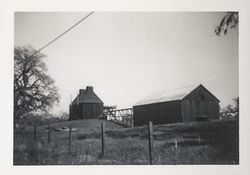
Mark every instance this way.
x=34 y=89
x=229 y=21
x=231 y=111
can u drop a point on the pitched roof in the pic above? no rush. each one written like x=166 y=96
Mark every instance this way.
x=170 y=95
x=87 y=96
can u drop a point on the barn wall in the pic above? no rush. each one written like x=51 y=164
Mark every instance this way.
x=86 y=111
x=74 y=112
x=166 y=112
x=91 y=110
x=199 y=103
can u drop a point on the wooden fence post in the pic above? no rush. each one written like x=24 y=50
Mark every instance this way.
x=176 y=150
x=35 y=132
x=103 y=139
x=150 y=142
x=70 y=137
x=49 y=135
x=176 y=144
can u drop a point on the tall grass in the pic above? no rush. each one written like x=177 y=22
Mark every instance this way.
x=219 y=145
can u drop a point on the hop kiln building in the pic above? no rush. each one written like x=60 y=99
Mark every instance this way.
x=87 y=105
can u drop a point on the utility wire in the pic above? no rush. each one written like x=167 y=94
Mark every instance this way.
x=62 y=34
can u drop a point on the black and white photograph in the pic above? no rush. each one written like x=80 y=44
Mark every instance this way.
x=126 y=88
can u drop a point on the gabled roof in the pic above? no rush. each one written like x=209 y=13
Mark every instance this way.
x=170 y=95
x=86 y=96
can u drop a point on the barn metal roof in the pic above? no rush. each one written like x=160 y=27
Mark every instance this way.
x=165 y=96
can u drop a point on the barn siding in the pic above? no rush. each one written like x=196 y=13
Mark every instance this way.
x=91 y=110
x=199 y=103
x=166 y=112
x=74 y=112
x=86 y=111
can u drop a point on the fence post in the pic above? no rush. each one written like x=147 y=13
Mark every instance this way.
x=150 y=141
x=70 y=137
x=103 y=139
x=176 y=150
x=35 y=133
x=49 y=134
x=176 y=144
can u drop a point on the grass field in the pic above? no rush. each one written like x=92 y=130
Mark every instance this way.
x=215 y=142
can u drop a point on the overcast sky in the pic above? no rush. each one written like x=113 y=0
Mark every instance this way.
x=127 y=56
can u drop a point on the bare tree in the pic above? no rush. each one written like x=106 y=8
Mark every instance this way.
x=229 y=21
x=34 y=90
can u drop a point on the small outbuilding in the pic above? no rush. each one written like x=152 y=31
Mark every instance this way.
x=87 y=105
x=175 y=106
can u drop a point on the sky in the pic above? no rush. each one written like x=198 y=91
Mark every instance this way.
x=126 y=56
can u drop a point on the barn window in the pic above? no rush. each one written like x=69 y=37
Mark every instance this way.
x=202 y=97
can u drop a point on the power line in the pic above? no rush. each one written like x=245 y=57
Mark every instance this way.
x=39 y=50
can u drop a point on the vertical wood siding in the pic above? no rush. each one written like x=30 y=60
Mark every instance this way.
x=167 y=112
x=86 y=111
x=199 y=103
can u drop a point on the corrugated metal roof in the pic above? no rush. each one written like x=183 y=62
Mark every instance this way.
x=87 y=96
x=170 y=95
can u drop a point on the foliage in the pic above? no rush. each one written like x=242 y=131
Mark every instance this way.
x=231 y=111
x=34 y=89
x=229 y=21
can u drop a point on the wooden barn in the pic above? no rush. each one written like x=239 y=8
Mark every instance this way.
x=87 y=105
x=175 y=106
